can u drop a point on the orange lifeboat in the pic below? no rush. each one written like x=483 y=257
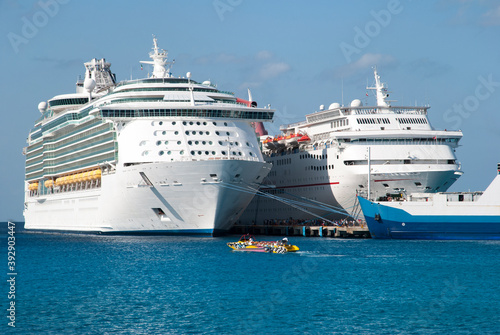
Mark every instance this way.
x=96 y=174
x=279 y=142
x=292 y=139
x=76 y=178
x=304 y=139
x=49 y=183
x=87 y=176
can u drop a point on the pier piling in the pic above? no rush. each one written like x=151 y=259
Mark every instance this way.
x=306 y=231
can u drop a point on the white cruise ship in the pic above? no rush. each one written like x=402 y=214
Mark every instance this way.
x=155 y=155
x=320 y=164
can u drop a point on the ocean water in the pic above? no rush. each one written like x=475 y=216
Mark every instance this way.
x=99 y=284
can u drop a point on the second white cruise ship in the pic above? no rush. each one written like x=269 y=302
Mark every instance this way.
x=155 y=155
x=320 y=164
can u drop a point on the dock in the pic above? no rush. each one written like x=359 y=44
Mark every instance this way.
x=302 y=230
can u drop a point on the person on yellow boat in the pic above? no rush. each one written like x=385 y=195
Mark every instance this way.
x=284 y=241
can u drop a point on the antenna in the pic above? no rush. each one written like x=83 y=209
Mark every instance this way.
x=342 y=80
x=188 y=75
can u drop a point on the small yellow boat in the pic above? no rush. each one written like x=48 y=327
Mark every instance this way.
x=248 y=243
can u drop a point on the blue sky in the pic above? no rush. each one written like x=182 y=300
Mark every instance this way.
x=293 y=55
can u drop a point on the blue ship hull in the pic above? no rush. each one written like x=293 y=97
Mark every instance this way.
x=385 y=222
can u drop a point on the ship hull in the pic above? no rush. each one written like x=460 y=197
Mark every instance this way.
x=318 y=184
x=194 y=197
x=424 y=221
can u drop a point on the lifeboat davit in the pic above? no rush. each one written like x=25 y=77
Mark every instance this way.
x=279 y=142
x=268 y=142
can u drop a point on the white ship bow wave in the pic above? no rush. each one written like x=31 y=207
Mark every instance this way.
x=155 y=155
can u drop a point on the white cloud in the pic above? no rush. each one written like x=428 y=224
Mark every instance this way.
x=366 y=61
x=220 y=58
x=492 y=17
x=227 y=58
x=255 y=69
x=272 y=70
x=264 y=67
x=263 y=55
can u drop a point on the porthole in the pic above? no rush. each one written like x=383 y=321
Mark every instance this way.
x=250 y=153
x=158 y=142
x=204 y=123
x=220 y=142
x=196 y=142
x=227 y=133
x=193 y=132
x=190 y=123
x=213 y=152
x=176 y=132
x=164 y=132
x=198 y=123
x=207 y=133
x=236 y=143
x=190 y=142
x=161 y=153
x=216 y=133
x=173 y=123
x=201 y=133
x=223 y=152
x=182 y=152
x=225 y=124
x=184 y=122
x=199 y=152
x=179 y=142
x=248 y=144
x=166 y=142
x=203 y=142
x=239 y=153
x=206 y=152
x=210 y=142
x=187 y=132
x=192 y=152
x=215 y=123
x=160 y=123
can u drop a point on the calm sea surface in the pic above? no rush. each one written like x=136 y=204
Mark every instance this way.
x=98 y=284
